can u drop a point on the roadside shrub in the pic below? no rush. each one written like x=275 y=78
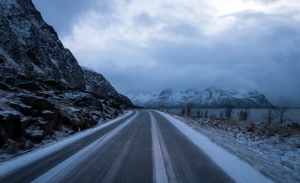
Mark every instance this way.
x=229 y=113
x=243 y=115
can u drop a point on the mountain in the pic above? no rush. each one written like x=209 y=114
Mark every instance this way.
x=33 y=58
x=31 y=47
x=210 y=98
x=140 y=99
x=44 y=93
x=96 y=83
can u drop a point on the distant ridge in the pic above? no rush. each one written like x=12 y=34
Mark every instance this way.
x=210 y=98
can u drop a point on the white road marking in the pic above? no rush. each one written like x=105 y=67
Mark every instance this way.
x=56 y=172
x=167 y=160
x=159 y=167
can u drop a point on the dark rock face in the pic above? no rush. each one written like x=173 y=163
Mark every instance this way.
x=79 y=99
x=42 y=87
x=11 y=123
x=17 y=122
x=25 y=110
x=29 y=117
x=3 y=136
x=32 y=57
x=30 y=46
x=96 y=83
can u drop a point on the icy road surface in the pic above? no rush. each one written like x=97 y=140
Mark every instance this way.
x=143 y=146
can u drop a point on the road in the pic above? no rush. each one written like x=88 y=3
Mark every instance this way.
x=142 y=147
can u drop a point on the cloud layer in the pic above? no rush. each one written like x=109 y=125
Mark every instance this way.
x=143 y=46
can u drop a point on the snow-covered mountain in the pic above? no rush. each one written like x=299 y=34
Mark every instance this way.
x=210 y=97
x=140 y=99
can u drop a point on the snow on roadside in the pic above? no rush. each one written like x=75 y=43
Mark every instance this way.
x=239 y=170
x=25 y=159
x=274 y=150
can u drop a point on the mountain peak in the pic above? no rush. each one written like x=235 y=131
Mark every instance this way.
x=191 y=90
x=211 y=97
x=168 y=91
x=88 y=69
x=213 y=89
x=253 y=92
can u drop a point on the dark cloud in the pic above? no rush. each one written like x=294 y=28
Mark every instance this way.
x=183 y=30
x=263 y=56
x=63 y=14
x=144 y=19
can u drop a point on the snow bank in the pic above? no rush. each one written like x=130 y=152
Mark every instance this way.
x=238 y=170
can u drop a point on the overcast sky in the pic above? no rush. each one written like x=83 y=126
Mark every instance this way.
x=145 y=46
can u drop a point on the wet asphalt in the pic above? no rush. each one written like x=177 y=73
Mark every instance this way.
x=127 y=157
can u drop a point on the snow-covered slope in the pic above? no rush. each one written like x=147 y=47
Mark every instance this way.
x=210 y=97
x=140 y=99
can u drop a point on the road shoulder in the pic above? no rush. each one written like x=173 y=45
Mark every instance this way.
x=234 y=167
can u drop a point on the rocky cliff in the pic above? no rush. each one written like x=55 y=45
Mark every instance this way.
x=43 y=94
x=96 y=83
x=31 y=47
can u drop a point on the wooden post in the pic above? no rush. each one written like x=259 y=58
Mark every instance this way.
x=186 y=114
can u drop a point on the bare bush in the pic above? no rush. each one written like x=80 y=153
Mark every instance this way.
x=188 y=111
x=221 y=115
x=229 y=113
x=198 y=113
x=280 y=112
x=269 y=116
x=182 y=111
x=243 y=115
x=206 y=114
